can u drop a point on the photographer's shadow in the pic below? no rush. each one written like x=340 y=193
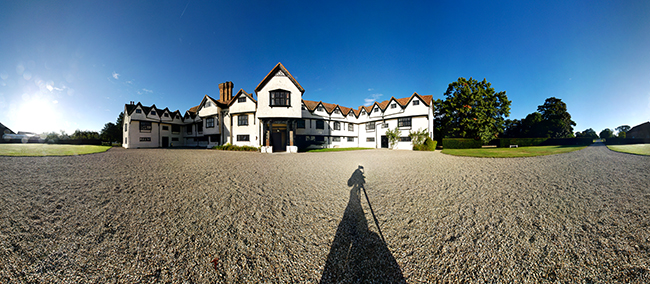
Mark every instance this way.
x=358 y=254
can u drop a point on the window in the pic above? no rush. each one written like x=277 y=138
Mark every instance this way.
x=320 y=124
x=337 y=125
x=243 y=137
x=336 y=139
x=166 y=115
x=350 y=127
x=138 y=111
x=404 y=122
x=188 y=129
x=174 y=139
x=125 y=127
x=209 y=123
x=336 y=111
x=350 y=139
x=145 y=139
x=370 y=139
x=416 y=102
x=241 y=99
x=300 y=123
x=319 y=108
x=393 y=105
x=199 y=128
x=207 y=104
x=320 y=138
x=376 y=109
x=165 y=127
x=176 y=128
x=280 y=98
x=125 y=139
x=370 y=126
x=384 y=125
x=145 y=126
x=242 y=120
x=405 y=139
x=153 y=112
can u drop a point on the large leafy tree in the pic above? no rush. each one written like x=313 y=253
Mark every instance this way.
x=622 y=130
x=557 y=121
x=472 y=109
x=588 y=133
x=113 y=131
x=606 y=133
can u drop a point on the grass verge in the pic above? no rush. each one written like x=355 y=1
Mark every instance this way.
x=33 y=150
x=337 y=149
x=512 y=152
x=638 y=149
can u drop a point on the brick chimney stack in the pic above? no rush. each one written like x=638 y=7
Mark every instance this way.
x=225 y=91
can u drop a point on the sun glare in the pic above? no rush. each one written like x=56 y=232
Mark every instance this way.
x=38 y=114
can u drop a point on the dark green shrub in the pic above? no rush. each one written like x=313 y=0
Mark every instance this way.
x=230 y=147
x=461 y=143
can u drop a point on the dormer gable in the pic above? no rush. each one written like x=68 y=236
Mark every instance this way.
x=242 y=97
x=279 y=70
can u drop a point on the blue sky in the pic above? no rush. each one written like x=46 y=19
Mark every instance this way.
x=67 y=65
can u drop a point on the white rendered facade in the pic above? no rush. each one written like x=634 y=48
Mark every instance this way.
x=278 y=120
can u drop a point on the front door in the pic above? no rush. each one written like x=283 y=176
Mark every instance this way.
x=165 y=142
x=279 y=141
x=384 y=142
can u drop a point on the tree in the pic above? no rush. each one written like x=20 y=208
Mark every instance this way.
x=557 y=121
x=588 y=133
x=110 y=132
x=606 y=133
x=78 y=135
x=120 y=124
x=393 y=136
x=472 y=109
x=622 y=130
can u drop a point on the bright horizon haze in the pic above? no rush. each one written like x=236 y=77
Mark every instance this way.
x=67 y=65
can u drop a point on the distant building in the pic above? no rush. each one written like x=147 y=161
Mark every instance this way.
x=640 y=131
x=277 y=120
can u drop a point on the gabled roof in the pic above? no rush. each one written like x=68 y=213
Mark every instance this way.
x=329 y=108
x=241 y=93
x=310 y=105
x=5 y=130
x=278 y=67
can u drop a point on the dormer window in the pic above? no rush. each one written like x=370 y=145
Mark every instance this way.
x=280 y=98
x=241 y=99
x=138 y=111
x=376 y=109
x=393 y=105
x=166 y=115
x=320 y=108
x=416 y=102
x=153 y=112
x=207 y=104
x=336 y=111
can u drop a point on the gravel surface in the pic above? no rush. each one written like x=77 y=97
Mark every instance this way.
x=205 y=216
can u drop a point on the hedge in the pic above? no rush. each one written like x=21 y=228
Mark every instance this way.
x=230 y=147
x=625 y=141
x=461 y=143
x=524 y=142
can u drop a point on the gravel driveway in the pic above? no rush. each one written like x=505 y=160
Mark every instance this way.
x=205 y=216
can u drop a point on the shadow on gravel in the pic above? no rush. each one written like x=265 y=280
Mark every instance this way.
x=358 y=254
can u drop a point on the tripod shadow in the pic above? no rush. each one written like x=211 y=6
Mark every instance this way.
x=358 y=254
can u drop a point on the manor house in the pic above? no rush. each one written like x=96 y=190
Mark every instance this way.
x=276 y=119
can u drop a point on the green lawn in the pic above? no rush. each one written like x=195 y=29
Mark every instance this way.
x=512 y=152
x=638 y=149
x=49 y=150
x=337 y=149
